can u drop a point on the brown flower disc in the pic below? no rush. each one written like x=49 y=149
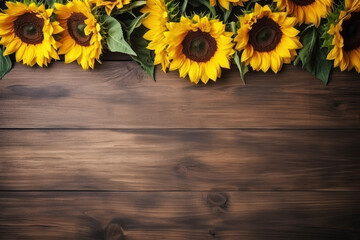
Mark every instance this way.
x=199 y=46
x=302 y=2
x=75 y=24
x=29 y=28
x=351 y=32
x=265 y=35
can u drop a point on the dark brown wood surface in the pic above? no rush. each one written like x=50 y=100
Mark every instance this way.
x=120 y=95
x=180 y=215
x=186 y=160
x=111 y=155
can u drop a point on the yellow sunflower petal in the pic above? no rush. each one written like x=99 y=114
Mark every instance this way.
x=198 y=47
x=12 y=47
x=267 y=53
x=83 y=49
x=306 y=12
x=346 y=49
x=34 y=49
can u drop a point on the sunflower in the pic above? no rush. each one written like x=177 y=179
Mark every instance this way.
x=81 y=39
x=28 y=31
x=156 y=23
x=110 y=4
x=226 y=3
x=268 y=39
x=346 y=38
x=199 y=47
x=308 y=11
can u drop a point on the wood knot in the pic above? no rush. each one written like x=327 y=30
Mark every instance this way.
x=218 y=200
x=212 y=233
x=114 y=231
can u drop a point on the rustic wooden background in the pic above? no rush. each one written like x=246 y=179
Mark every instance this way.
x=110 y=155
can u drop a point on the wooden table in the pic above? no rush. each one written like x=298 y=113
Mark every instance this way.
x=109 y=154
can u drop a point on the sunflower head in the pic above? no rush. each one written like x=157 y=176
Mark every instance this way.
x=198 y=47
x=344 y=34
x=156 y=23
x=81 y=39
x=226 y=3
x=306 y=11
x=267 y=39
x=110 y=4
x=28 y=31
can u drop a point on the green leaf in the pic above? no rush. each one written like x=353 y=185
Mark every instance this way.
x=144 y=57
x=312 y=56
x=308 y=40
x=227 y=13
x=115 y=36
x=5 y=64
x=135 y=24
x=183 y=7
x=173 y=10
x=50 y=3
x=233 y=27
x=243 y=69
x=206 y=3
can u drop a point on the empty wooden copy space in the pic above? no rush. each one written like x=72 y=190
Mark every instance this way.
x=109 y=154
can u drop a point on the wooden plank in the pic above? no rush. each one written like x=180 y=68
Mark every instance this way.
x=121 y=95
x=196 y=160
x=180 y=215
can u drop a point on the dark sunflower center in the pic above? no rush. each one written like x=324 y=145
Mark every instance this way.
x=199 y=46
x=29 y=28
x=351 y=32
x=302 y=2
x=76 y=28
x=265 y=35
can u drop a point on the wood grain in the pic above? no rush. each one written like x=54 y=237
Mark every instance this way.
x=120 y=95
x=192 y=160
x=180 y=215
x=111 y=155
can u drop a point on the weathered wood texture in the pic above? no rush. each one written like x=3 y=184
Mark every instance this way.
x=193 y=160
x=120 y=95
x=180 y=215
x=110 y=155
